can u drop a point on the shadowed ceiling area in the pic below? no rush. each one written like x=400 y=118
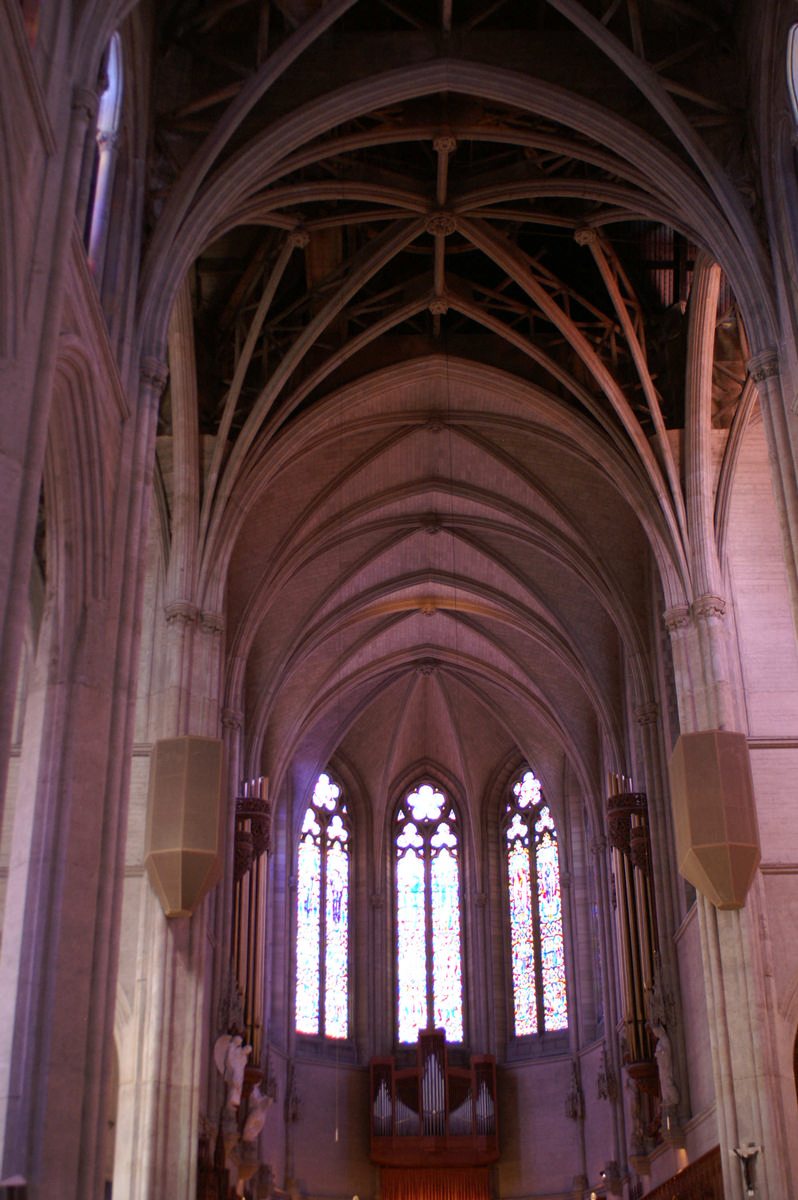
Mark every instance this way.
x=437 y=321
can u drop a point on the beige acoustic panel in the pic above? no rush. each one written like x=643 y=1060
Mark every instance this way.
x=717 y=836
x=185 y=821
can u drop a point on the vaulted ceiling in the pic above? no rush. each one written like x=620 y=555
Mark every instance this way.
x=438 y=261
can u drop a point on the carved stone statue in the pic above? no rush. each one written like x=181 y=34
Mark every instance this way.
x=663 y=1052
x=231 y=1056
x=256 y=1116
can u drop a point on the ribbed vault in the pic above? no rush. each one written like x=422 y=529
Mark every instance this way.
x=440 y=282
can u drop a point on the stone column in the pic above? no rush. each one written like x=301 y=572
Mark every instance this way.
x=737 y=983
x=30 y=378
x=60 y=943
x=172 y=1022
x=764 y=370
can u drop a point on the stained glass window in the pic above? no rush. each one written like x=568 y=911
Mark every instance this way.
x=536 y=938
x=322 y=923
x=428 y=933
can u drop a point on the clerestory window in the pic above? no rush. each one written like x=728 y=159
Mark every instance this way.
x=428 y=915
x=108 y=116
x=322 y=929
x=535 y=909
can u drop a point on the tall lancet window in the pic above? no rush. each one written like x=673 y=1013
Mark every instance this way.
x=428 y=935
x=536 y=939
x=108 y=115
x=322 y=926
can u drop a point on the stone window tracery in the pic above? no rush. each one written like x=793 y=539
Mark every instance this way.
x=322 y=932
x=537 y=951
x=428 y=915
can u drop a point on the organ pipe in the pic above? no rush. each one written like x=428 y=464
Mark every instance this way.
x=252 y=842
x=628 y=833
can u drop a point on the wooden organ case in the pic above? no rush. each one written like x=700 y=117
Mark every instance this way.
x=431 y=1114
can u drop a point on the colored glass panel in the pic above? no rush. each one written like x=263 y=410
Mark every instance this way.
x=521 y=940
x=322 y=943
x=536 y=933
x=411 y=936
x=307 y=933
x=551 y=940
x=428 y=937
x=426 y=804
x=528 y=791
x=446 y=958
x=336 y=929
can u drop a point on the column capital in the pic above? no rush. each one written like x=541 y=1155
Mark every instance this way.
x=181 y=612
x=153 y=374
x=706 y=607
x=211 y=622
x=647 y=714
x=676 y=618
x=84 y=103
x=764 y=365
x=232 y=718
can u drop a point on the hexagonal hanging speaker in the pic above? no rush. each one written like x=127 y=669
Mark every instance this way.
x=185 y=822
x=717 y=835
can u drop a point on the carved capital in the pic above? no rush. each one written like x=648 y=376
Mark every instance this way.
x=677 y=618
x=181 y=612
x=707 y=607
x=647 y=714
x=434 y=424
x=441 y=223
x=598 y=845
x=585 y=236
x=764 y=365
x=428 y=605
x=153 y=375
x=298 y=239
x=84 y=104
x=232 y=718
x=427 y=666
x=212 y=622
x=438 y=306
